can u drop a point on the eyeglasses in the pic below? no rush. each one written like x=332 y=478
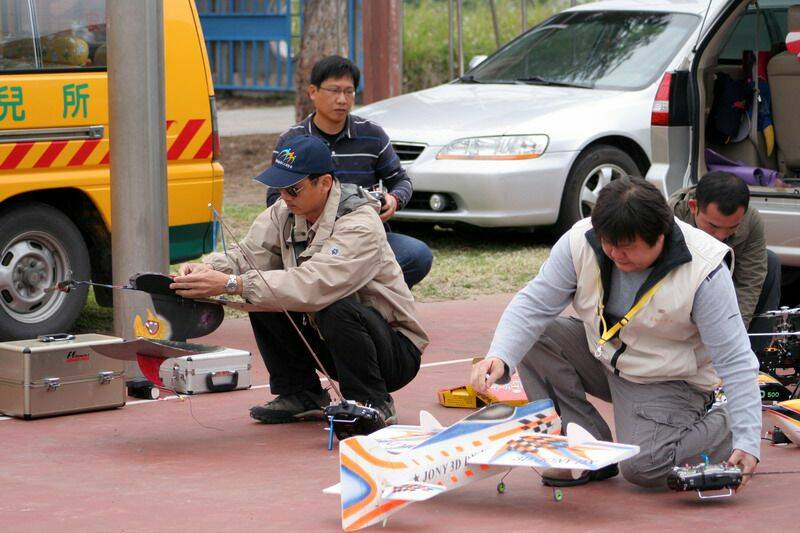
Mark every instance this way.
x=292 y=190
x=349 y=92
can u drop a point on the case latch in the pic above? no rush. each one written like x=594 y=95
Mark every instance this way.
x=52 y=383
x=177 y=375
x=105 y=377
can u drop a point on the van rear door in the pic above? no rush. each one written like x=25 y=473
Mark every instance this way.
x=746 y=27
x=673 y=121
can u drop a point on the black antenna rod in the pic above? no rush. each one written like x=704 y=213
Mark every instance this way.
x=702 y=26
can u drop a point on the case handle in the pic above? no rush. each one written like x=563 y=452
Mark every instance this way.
x=222 y=387
x=56 y=337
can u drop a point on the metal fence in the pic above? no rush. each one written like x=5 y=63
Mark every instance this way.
x=251 y=43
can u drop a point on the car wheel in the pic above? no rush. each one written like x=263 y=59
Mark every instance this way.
x=592 y=171
x=39 y=245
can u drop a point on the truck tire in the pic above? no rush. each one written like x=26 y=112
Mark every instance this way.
x=39 y=245
x=593 y=169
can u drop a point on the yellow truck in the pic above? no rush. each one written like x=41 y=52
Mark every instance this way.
x=55 y=204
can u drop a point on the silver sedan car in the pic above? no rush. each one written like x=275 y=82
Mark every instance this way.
x=530 y=135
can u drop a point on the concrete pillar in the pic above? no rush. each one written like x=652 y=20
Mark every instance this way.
x=382 y=25
x=140 y=230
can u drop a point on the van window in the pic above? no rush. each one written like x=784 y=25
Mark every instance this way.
x=772 y=29
x=600 y=49
x=42 y=35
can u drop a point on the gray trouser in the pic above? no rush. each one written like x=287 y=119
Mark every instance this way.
x=668 y=420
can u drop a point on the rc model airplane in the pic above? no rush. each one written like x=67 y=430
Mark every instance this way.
x=383 y=472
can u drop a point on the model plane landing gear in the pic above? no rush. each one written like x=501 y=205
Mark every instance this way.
x=501 y=487
x=558 y=495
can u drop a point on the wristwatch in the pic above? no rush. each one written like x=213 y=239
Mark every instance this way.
x=232 y=284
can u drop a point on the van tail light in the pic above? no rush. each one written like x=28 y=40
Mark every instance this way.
x=660 y=114
x=216 y=147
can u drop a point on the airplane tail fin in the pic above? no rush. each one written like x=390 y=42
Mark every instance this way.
x=429 y=423
x=366 y=470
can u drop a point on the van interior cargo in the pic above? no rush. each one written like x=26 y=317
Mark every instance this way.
x=729 y=62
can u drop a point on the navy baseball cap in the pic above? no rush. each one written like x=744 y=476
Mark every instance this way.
x=297 y=158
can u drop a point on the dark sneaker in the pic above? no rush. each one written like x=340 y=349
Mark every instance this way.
x=589 y=475
x=292 y=407
x=387 y=411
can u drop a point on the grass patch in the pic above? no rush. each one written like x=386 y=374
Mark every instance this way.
x=239 y=218
x=466 y=263
x=94 y=318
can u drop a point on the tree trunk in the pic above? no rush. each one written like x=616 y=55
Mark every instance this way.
x=383 y=37
x=323 y=21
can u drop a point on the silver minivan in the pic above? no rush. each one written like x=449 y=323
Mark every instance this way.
x=683 y=134
x=529 y=136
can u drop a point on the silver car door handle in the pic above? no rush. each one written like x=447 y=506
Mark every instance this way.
x=52 y=134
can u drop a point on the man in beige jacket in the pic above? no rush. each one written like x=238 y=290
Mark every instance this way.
x=321 y=254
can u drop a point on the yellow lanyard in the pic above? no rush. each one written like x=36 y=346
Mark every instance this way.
x=608 y=334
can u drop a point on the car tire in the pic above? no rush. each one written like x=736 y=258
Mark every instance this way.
x=39 y=246
x=593 y=169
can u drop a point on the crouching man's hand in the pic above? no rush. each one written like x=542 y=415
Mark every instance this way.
x=746 y=462
x=200 y=283
x=188 y=268
x=486 y=372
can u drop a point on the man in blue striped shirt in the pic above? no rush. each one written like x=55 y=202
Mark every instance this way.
x=362 y=154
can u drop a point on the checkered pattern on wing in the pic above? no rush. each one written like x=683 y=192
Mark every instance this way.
x=530 y=444
x=539 y=425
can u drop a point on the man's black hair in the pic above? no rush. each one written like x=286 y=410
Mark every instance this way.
x=334 y=67
x=629 y=207
x=726 y=190
x=315 y=177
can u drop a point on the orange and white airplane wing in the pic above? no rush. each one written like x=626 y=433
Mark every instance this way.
x=578 y=451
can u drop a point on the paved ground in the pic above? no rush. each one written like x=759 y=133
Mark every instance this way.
x=254 y=120
x=203 y=465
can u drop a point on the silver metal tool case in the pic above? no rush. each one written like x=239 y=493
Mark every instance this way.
x=216 y=370
x=59 y=374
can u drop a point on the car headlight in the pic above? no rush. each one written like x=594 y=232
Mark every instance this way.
x=494 y=148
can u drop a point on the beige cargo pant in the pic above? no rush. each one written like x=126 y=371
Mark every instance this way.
x=669 y=421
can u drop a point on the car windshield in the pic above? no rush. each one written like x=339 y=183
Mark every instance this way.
x=594 y=49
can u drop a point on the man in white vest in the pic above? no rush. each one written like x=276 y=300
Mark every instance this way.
x=657 y=329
